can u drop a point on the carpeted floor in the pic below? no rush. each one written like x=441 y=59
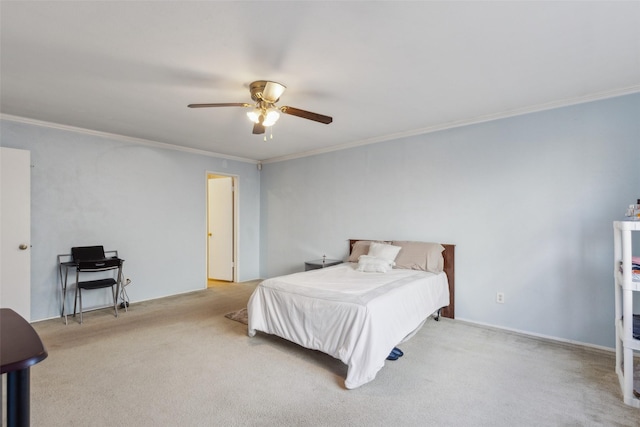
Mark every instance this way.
x=179 y=360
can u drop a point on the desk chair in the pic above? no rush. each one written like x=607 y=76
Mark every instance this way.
x=92 y=259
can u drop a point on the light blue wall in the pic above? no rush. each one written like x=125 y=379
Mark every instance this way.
x=528 y=201
x=147 y=202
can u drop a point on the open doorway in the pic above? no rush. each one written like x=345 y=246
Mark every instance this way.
x=221 y=228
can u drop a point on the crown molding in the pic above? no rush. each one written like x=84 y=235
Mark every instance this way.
x=466 y=122
x=123 y=138
x=390 y=137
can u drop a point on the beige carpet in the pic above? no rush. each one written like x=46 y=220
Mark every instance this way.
x=179 y=361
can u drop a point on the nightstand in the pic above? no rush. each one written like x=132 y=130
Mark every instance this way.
x=320 y=263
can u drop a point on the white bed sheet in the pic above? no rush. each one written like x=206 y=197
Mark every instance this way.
x=354 y=316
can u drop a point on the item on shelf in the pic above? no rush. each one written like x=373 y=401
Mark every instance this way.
x=634 y=211
x=636 y=326
x=635 y=268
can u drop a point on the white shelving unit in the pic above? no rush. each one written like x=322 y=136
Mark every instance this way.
x=625 y=288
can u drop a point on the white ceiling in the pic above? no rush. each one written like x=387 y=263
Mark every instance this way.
x=380 y=69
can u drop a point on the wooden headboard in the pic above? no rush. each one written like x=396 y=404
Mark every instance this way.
x=449 y=268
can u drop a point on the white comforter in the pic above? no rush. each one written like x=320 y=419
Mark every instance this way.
x=354 y=316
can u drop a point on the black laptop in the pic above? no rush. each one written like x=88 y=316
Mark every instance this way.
x=92 y=257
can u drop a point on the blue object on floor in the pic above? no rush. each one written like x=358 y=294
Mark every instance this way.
x=397 y=351
x=395 y=354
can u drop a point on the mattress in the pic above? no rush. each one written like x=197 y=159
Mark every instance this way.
x=354 y=316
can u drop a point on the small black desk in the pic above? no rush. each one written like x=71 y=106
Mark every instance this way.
x=20 y=348
x=63 y=269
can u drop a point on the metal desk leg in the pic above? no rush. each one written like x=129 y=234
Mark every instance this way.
x=18 y=395
x=61 y=288
x=63 y=285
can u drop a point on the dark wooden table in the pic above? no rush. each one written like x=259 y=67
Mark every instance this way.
x=20 y=348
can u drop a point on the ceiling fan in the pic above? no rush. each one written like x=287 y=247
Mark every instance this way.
x=264 y=112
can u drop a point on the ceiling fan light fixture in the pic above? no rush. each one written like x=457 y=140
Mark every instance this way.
x=254 y=115
x=271 y=117
x=272 y=91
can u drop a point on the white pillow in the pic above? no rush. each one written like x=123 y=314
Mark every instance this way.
x=361 y=247
x=384 y=251
x=371 y=264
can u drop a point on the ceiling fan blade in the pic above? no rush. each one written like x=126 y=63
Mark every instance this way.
x=258 y=128
x=222 y=104
x=306 y=115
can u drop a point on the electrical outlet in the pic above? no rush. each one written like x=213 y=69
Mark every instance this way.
x=500 y=297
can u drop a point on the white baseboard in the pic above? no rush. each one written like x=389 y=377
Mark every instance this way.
x=540 y=336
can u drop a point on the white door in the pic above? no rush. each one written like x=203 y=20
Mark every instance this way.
x=220 y=224
x=15 y=227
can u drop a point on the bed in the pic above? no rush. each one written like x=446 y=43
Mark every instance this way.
x=357 y=316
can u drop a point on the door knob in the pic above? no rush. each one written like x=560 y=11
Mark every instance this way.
x=23 y=247
x=210 y=234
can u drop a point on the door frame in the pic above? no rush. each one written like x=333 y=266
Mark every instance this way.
x=236 y=192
